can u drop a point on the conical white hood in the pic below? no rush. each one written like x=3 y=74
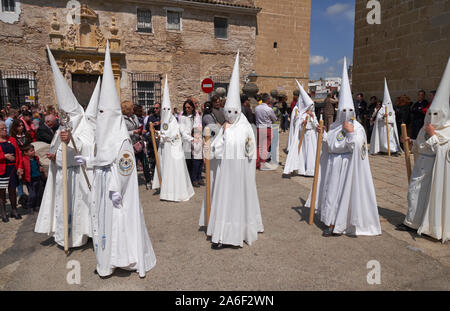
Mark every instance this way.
x=67 y=102
x=387 y=98
x=439 y=112
x=111 y=130
x=307 y=102
x=232 y=107
x=91 y=110
x=166 y=107
x=346 y=108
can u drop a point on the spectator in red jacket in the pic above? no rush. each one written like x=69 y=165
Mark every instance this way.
x=32 y=171
x=10 y=166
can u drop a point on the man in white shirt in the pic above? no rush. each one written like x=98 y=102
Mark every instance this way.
x=264 y=116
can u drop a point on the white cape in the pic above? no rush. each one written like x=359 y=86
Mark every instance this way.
x=50 y=219
x=176 y=183
x=346 y=194
x=428 y=195
x=378 y=141
x=235 y=212
x=120 y=236
x=304 y=161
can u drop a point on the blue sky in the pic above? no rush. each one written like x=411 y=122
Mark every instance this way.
x=332 y=24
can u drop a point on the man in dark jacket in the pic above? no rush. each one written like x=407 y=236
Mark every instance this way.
x=418 y=111
x=47 y=129
x=246 y=110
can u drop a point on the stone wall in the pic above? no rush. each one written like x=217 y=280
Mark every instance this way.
x=410 y=47
x=187 y=56
x=286 y=22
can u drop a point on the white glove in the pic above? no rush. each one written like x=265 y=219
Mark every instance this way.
x=80 y=160
x=116 y=198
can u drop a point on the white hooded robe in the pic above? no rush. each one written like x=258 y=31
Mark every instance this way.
x=176 y=183
x=303 y=162
x=51 y=213
x=378 y=140
x=428 y=193
x=235 y=212
x=120 y=236
x=346 y=194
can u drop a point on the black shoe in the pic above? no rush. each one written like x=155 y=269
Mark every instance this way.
x=201 y=183
x=329 y=232
x=5 y=219
x=402 y=227
x=217 y=246
x=195 y=184
x=16 y=216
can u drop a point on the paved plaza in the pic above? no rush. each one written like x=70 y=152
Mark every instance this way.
x=289 y=255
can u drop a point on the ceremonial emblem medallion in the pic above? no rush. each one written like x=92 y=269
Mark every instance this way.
x=340 y=136
x=390 y=113
x=363 y=151
x=247 y=146
x=126 y=164
x=165 y=126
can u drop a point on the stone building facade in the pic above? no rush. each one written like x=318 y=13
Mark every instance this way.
x=188 y=40
x=282 y=44
x=410 y=47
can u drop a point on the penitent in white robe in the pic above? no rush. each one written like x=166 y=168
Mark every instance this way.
x=120 y=236
x=378 y=141
x=294 y=116
x=346 y=194
x=305 y=161
x=51 y=214
x=176 y=183
x=235 y=212
x=428 y=194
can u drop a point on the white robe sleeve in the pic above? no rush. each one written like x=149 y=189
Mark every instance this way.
x=186 y=129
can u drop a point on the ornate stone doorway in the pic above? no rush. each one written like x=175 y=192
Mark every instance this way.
x=80 y=52
x=83 y=86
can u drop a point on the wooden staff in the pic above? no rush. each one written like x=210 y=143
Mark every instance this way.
x=83 y=167
x=155 y=150
x=208 y=174
x=387 y=130
x=316 y=174
x=407 y=152
x=65 y=198
x=303 y=134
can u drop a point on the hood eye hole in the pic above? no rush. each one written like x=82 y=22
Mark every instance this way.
x=229 y=111
x=435 y=113
x=344 y=110
x=351 y=110
x=235 y=112
x=101 y=111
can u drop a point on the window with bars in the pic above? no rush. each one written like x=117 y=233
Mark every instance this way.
x=144 y=21
x=146 y=89
x=8 y=5
x=173 y=20
x=17 y=88
x=221 y=27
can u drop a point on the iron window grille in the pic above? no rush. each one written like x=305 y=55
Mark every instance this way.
x=220 y=27
x=173 y=20
x=18 y=88
x=8 y=5
x=144 y=21
x=146 y=88
x=221 y=81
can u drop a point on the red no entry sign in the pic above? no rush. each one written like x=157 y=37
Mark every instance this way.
x=207 y=85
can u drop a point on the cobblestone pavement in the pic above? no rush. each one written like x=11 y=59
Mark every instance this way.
x=289 y=255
